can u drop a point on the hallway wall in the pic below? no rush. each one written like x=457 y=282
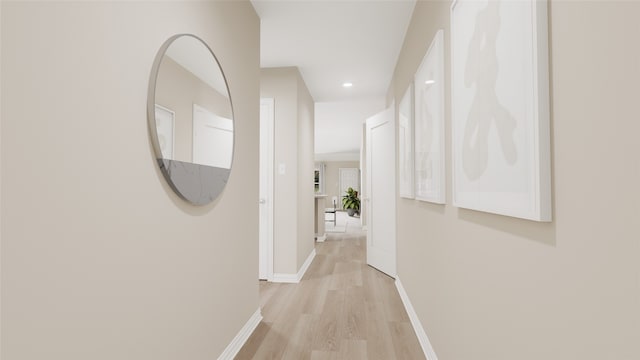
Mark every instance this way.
x=100 y=259
x=293 y=191
x=306 y=168
x=489 y=287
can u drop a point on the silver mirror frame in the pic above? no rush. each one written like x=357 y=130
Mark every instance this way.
x=194 y=183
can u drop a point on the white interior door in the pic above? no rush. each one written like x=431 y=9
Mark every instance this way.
x=381 y=192
x=265 y=250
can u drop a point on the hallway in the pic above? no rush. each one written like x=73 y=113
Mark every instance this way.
x=342 y=309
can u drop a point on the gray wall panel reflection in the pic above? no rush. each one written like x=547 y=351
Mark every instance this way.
x=198 y=184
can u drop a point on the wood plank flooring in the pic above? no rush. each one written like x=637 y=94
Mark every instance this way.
x=342 y=309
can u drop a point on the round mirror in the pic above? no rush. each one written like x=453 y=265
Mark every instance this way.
x=191 y=119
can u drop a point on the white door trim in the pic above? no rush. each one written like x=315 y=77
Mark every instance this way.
x=265 y=264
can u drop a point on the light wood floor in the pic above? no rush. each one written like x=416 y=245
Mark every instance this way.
x=342 y=309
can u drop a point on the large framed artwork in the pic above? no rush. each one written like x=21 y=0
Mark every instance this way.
x=405 y=145
x=429 y=124
x=500 y=108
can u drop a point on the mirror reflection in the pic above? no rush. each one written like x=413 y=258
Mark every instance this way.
x=191 y=119
x=193 y=111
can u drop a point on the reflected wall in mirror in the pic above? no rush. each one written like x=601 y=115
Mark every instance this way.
x=191 y=119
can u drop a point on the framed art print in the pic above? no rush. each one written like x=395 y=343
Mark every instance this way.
x=405 y=145
x=500 y=108
x=429 y=124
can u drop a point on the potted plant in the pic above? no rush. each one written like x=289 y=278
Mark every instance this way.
x=351 y=202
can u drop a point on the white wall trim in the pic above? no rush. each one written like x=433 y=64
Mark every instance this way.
x=340 y=156
x=429 y=353
x=243 y=335
x=285 y=278
x=306 y=264
x=295 y=278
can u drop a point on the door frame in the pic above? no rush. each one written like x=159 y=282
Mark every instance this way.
x=266 y=183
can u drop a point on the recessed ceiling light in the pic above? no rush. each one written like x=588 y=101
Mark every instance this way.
x=347 y=85
x=429 y=82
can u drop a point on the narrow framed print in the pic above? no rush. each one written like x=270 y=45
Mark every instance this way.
x=429 y=124
x=405 y=144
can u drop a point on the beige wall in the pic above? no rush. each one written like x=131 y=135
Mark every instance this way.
x=492 y=287
x=306 y=191
x=280 y=84
x=293 y=190
x=177 y=89
x=332 y=179
x=100 y=259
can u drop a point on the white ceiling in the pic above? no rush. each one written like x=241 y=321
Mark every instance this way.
x=341 y=125
x=333 y=42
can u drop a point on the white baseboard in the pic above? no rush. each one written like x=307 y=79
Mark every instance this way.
x=243 y=335
x=295 y=278
x=307 y=263
x=429 y=353
x=285 y=278
x=321 y=238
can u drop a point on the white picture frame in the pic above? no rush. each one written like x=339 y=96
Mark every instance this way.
x=429 y=155
x=500 y=108
x=405 y=144
x=165 y=126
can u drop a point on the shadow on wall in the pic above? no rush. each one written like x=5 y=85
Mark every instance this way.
x=542 y=232
x=429 y=206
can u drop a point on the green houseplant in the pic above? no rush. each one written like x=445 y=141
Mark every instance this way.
x=351 y=202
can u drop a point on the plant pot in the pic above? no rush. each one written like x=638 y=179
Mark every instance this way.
x=351 y=212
